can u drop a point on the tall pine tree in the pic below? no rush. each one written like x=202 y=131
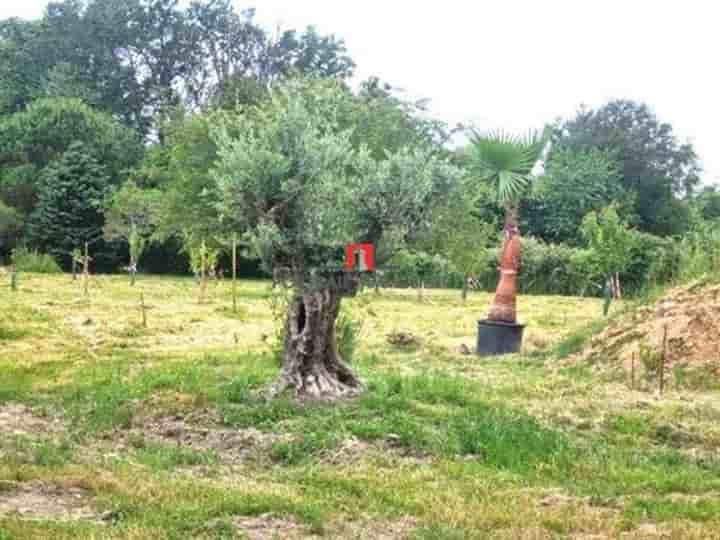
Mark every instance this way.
x=70 y=204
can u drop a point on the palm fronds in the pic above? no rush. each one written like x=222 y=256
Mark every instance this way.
x=505 y=160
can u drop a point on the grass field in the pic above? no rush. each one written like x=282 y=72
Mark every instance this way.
x=112 y=430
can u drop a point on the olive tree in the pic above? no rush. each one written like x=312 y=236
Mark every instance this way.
x=292 y=176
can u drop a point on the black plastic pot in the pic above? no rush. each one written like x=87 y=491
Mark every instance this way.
x=496 y=338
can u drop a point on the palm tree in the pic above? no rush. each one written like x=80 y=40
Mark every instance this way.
x=507 y=162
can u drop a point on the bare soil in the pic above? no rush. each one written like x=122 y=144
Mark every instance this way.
x=17 y=419
x=196 y=431
x=269 y=527
x=38 y=500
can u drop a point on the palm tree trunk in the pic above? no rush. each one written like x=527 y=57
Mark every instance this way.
x=504 y=306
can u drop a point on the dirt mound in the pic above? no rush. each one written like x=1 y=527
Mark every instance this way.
x=691 y=316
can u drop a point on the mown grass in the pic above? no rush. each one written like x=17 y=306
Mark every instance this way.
x=467 y=447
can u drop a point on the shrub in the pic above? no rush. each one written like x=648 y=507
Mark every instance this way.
x=700 y=250
x=33 y=261
x=654 y=261
x=409 y=268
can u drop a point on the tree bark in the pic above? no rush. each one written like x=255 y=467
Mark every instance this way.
x=132 y=271
x=504 y=308
x=312 y=365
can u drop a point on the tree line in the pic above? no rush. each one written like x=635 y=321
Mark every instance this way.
x=109 y=115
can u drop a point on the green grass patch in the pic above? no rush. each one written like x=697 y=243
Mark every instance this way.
x=575 y=341
x=659 y=509
x=166 y=458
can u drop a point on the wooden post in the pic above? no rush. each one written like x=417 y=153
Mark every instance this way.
x=203 y=273
x=662 y=360
x=234 y=272
x=632 y=373
x=13 y=278
x=143 y=308
x=86 y=269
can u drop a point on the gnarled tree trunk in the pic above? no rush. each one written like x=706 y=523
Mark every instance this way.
x=504 y=306
x=312 y=365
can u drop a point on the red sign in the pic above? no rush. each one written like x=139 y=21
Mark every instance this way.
x=360 y=257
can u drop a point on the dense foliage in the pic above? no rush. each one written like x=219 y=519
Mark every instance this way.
x=124 y=118
x=68 y=213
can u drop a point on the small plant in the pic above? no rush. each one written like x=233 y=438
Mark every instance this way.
x=137 y=245
x=650 y=359
x=75 y=257
x=400 y=338
x=347 y=332
x=279 y=301
x=25 y=260
x=14 y=278
x=203 y=260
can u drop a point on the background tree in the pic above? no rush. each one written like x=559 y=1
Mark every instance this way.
x=708 y=203
x=136 y=59
x=459 y=234
x=611 y=243
x=10 y=226
x=36 y=138
x=506 y=163
x=302 y=191
x=656 y=168
x=131 y=215
x=69 y=209
x=574 y=183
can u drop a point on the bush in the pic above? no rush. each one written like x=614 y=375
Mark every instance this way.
x=700 y=250
x=564 y=270
x=654 y=261
x=410 y=268
x=546 y=269
x=33 y=261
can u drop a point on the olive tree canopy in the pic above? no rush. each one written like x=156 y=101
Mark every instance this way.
x=291 y=176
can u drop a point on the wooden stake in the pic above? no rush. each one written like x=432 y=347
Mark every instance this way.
x=632 y=373
x=234 y=272
x=86 y=269
x=143 y=308
x=203 y=272
x=662 y=360
x=13 y=278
